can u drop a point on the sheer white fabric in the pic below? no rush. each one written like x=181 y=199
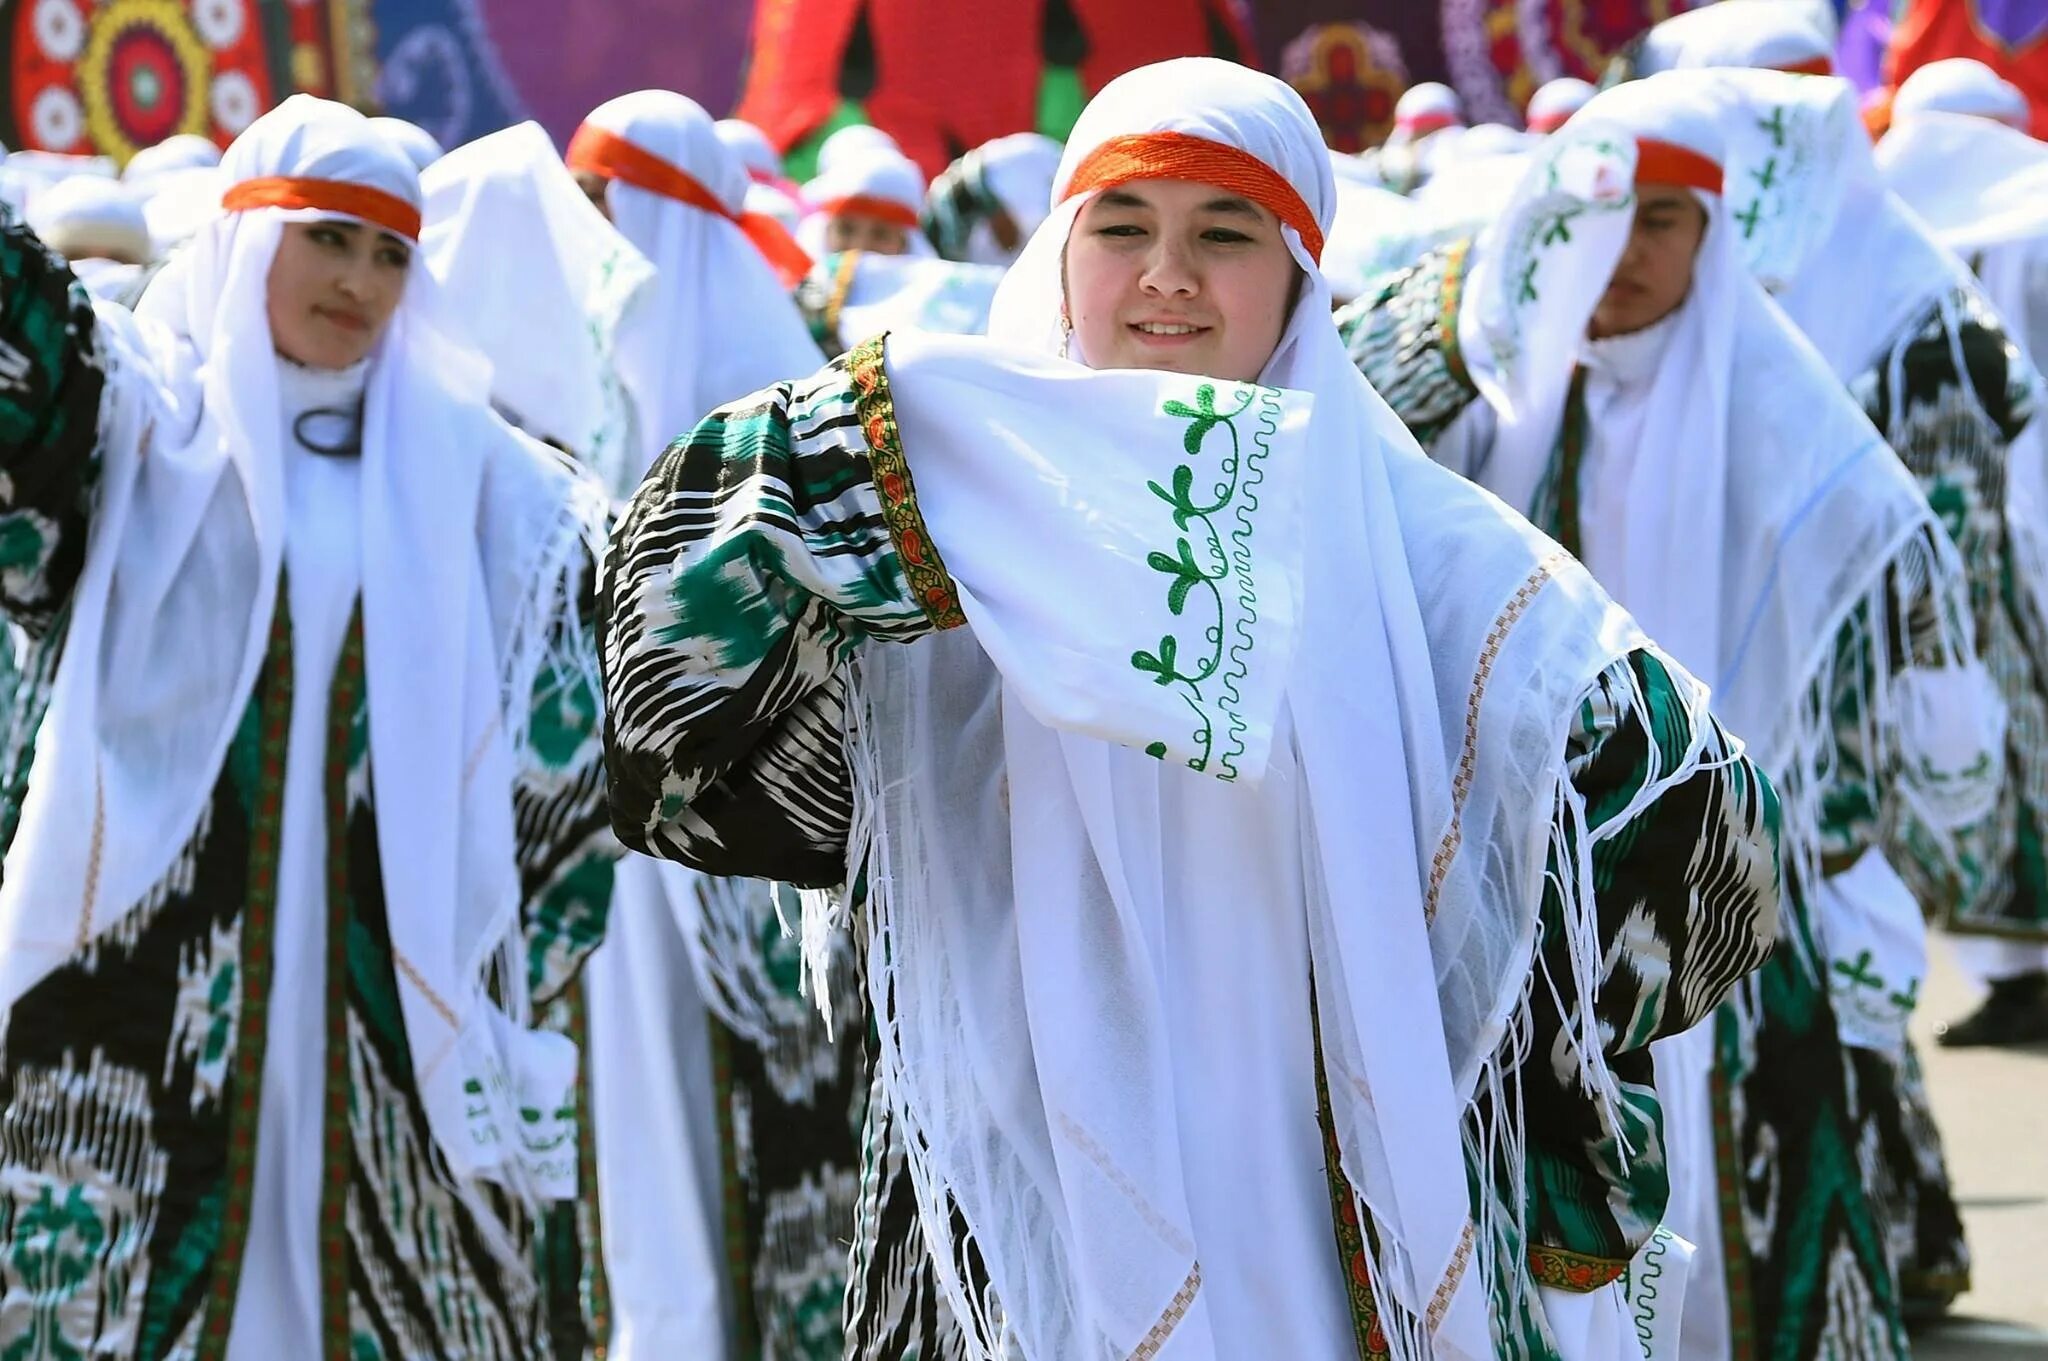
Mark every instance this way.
x=545 y=285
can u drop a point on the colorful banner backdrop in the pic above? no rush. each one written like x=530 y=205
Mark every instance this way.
x=111 y=76
x=1349 y=58
x=114 y=75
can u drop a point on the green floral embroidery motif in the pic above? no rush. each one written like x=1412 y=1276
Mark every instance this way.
x=53 y=1248
x=1211 y=562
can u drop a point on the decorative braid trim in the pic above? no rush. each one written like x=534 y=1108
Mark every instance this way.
x=1456 y=255
x=259 y=925
x=1176 y=1310
x=1577 y=1272
x=1468 y=759
x=930 y=583
x=1454 y=1275
x=336 y=1148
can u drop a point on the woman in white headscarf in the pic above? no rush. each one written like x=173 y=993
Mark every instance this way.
x=1601 y=357
x=987 y=203
x=1936 y=365
x=1229 y=863
x=869 y=200
x=709 y=329
x=305 y=802
x=739 y=1097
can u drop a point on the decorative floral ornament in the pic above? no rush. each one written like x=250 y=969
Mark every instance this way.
x=235 y=105
x=60 y=29
x=220 y=22
x=57 y=119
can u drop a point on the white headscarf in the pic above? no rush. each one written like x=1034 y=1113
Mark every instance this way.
x=421 y=147
x=180 y=202
x=185 y=151
x=717 y=322
x=752 y=148
x=1982 y=190
x=1023 y=1004
x=1764 y=507
x=1426 y=108
x=1018 y=170
x=88 y=216
x=1961 y=85
x=1778 y=35
x=1850 y=266
x=851 y=143
x=878 y=181
x=545 y=284
x=174 y=612
x=1555 y=101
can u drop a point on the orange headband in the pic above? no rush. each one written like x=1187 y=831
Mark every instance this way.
x=1180 y=156
x=388 y=211
x=1423 y=123
x=1668 y=163
x=867 y=205
x=603 y=152
x=1812 y=66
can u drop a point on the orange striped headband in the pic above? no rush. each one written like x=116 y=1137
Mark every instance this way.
x=603 y=152
x=868 y=205
x=1182 y=156
x=1423 y=123
x=1812 y=66
x=388 y=211
x=1668 y=163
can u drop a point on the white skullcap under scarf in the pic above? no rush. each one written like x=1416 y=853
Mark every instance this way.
x=1026 y=1042
x=717 y=322
x=469 y=538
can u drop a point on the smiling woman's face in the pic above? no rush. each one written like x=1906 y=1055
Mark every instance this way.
x=333 y=287
x=1170 y=274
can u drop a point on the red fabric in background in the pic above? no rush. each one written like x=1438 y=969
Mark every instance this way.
x=951 y=75
x=793 y=72
x=954 y=75
x=2007 y=37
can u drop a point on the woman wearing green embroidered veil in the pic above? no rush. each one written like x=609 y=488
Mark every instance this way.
x=1600 y=357
x=1263 y=922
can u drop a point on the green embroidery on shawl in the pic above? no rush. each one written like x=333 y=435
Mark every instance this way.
x=1224 y=556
